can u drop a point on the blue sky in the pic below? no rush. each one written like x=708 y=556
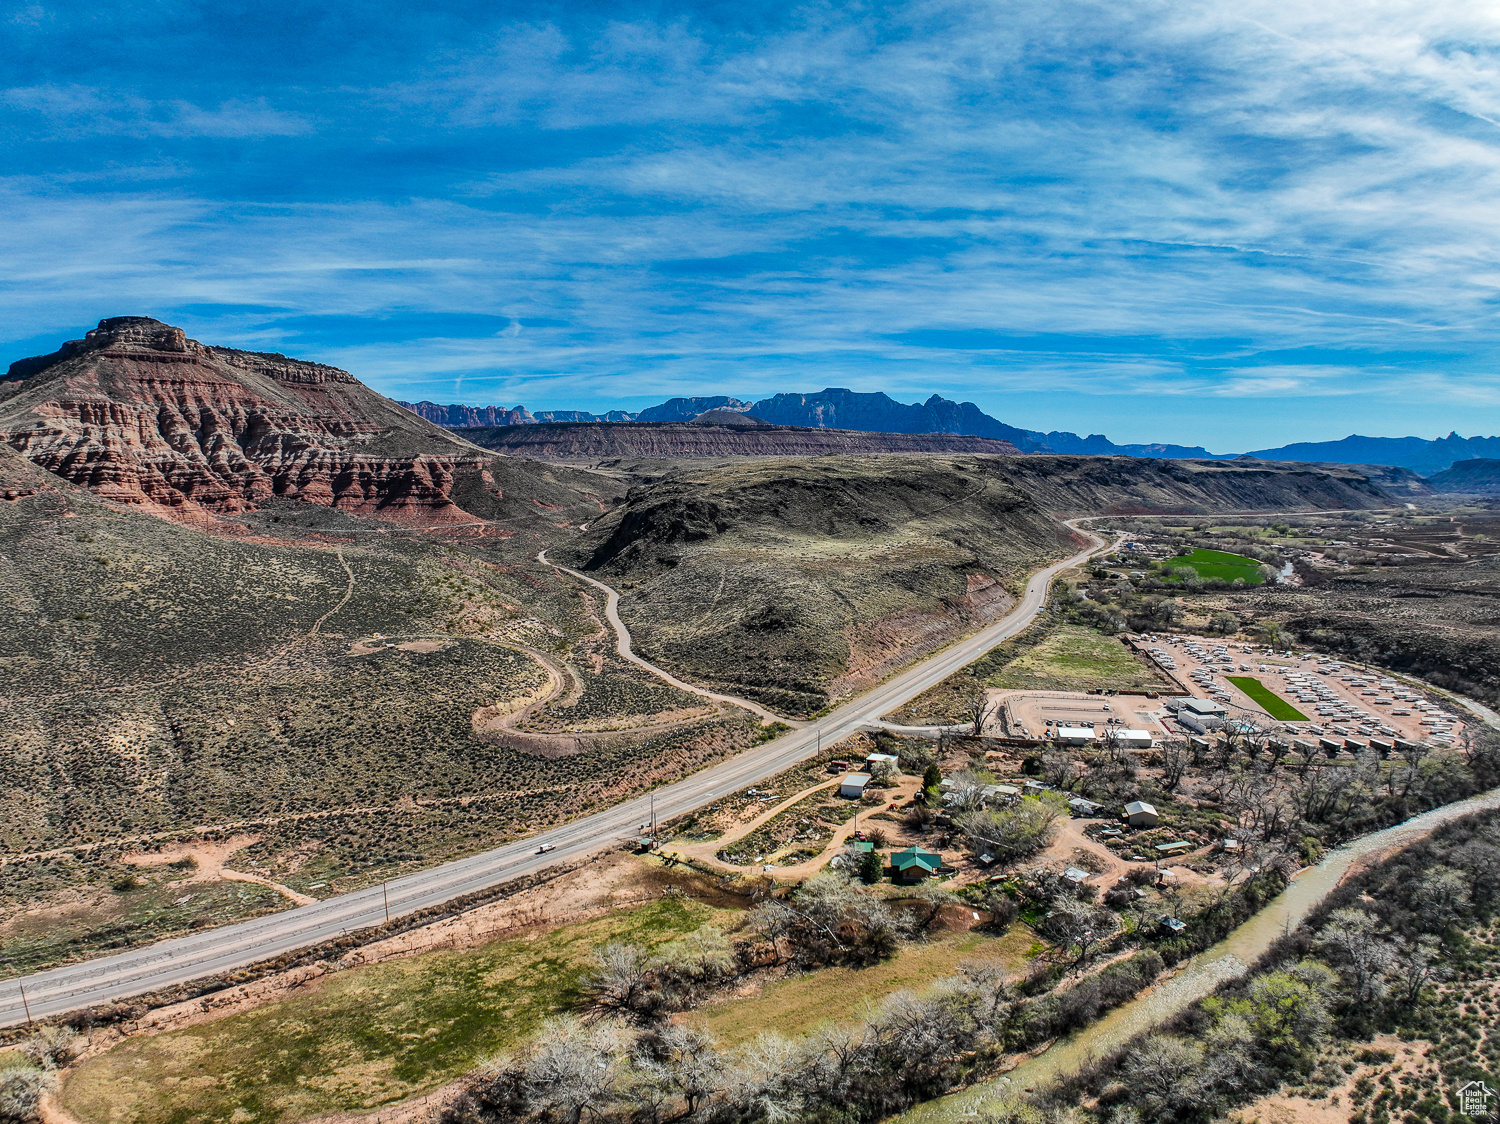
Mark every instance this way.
x=1230 y=223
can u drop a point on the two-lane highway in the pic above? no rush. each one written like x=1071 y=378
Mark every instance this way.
x=181 y=959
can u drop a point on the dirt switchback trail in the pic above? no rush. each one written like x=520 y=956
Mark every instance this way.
x=623 y=647
x=210 y=951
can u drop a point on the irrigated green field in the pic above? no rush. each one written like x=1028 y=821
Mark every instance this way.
x=1267 y=699
x=1221 y=565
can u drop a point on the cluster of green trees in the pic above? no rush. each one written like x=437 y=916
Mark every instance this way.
x=1370 y=960
x=1013 y=831
x=911 y=1049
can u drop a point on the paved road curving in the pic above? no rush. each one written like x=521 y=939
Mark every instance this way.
x=205 y=953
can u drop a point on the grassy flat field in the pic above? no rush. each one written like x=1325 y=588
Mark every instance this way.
x=1222 y=565
x=366 y=1036
x=1268 y=700
x=1075 y=659
x=800 y=1004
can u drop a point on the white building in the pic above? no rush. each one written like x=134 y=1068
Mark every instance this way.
x=853 y=784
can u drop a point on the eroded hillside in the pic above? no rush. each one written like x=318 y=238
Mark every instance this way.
x=594 y=441
x=802 y=581
x=141 y=414
x=317 y=688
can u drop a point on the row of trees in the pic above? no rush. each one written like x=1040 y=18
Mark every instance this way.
x=830 y=919
x=1369 y=962
x=912 y=1049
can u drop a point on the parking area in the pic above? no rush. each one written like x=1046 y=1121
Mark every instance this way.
x=1035 y=714
x=1338 y=699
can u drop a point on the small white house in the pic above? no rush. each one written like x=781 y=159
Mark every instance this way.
x=1074 y=735
x=1140 y=814
x=1204 y=707
x=1076 y=876
x=883 y=758
x=1135 y=739
x=853 y=784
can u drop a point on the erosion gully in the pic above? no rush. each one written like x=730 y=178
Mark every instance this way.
x=1198 y=976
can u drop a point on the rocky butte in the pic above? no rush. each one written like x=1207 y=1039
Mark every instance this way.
x=140 y=414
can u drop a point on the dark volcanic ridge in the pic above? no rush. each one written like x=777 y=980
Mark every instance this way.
x=713 y=436
x=1478 y=477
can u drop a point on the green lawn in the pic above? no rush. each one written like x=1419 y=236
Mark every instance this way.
x=1220 y=564
x=363 y=1037
x=1076 y=659
x=1272 y=703
x=803 y=1002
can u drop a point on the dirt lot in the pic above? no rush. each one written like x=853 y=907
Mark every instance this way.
x=1027 y=712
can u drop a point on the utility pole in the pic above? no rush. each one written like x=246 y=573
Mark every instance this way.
x=386 y=897
x=653 y=819
x=25 y=1004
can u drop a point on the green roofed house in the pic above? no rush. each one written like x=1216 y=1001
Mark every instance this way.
x=915 y=864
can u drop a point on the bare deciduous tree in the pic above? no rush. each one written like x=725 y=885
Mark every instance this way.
x=978 y=709
x=621 y=978
x=1079 y=929
x=1416 y=965
x=773 y=920
x=1359 y=951
x=573 y=1069
x=682 y=1061
x=763 y=1079
x=1175 y=757
x=1058 y=768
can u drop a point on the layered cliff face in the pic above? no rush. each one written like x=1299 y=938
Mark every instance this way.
x=140 y=414
x=467 y=417
x=717 y=433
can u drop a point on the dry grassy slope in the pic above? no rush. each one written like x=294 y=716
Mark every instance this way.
x=800 y=580
x=154 y=677
x=780 y=577
x=1069 y=485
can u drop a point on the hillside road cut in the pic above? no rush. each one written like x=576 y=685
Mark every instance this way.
x=164 y=964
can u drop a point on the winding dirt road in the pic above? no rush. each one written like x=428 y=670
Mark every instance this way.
x=110 y=978
x=627 y=652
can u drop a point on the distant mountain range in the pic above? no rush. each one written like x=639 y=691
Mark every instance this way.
x=472 y=417
x=1421 y=456
x=837 y=408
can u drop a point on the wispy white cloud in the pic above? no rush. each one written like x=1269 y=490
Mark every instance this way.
x=90 y=111
x=710 y=209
